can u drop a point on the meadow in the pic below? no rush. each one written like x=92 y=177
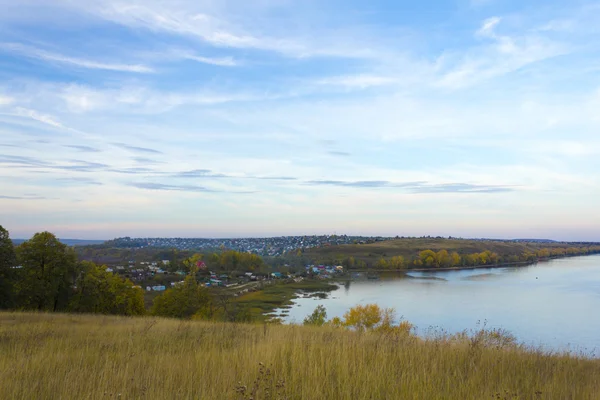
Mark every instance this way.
x=60 y=356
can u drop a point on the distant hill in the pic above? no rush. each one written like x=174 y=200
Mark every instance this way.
x=68 y=242
x=410 y=247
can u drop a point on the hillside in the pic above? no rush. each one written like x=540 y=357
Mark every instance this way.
x=410 y=247
x=98 y=357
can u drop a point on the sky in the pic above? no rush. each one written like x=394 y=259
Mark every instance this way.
x=236 y=118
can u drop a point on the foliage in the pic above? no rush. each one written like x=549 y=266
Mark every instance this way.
x=8 y=260
x=183 y=301
x=47 y=274
x=318 y=317
x=98 y=291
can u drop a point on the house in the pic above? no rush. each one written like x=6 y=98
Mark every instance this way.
x=201 y=265
x=276 y=275
x=166 y=262
x=109 y=269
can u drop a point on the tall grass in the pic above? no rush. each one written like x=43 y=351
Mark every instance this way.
x=45 y=356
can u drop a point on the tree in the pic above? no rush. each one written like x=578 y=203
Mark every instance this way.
x=317 y=318
x=364 y=317
x=47 y=275
x=396 y=262
x=183 y=301
x=8 y=260
x=371 y=317
x=442 y=258
x=381 y=264
x=99 y=291
x=455 y=259
x=427 y=258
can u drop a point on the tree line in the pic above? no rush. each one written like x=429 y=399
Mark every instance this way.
x=43 y=274
x=445 y=259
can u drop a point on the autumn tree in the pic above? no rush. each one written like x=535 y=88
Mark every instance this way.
x=427 y=258
x=455 y=259
x=99 y=291
x=442 y=258
x=47 y=274
x=396 y=262
x=8 y=260
x=381 y=264
x=182 y=301
x=371 y=317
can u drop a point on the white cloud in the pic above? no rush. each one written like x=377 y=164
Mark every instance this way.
x=37 y=116
x=44 y=55
x=488 y=26
x=5 y=100
x=361 y=81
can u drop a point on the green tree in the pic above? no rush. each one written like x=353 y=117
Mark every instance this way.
x=318 y=317
x=8 y=260
x=183 y=301
x=98 y=291
x=47 y=275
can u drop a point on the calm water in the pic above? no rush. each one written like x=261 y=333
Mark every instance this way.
x=554 y=304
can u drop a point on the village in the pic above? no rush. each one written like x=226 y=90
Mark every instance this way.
x=153 y=276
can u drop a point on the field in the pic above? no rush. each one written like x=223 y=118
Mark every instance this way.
x=410 y=248
x=44 y=356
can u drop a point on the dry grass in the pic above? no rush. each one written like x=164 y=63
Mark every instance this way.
x=94 y=357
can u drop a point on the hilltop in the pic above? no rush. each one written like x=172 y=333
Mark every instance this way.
x=409 y=248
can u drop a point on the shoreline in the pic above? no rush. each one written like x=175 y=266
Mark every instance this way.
x=469 y=267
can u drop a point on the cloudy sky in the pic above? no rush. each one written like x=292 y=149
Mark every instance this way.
x=214 y=118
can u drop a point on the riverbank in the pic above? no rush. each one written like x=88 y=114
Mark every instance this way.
x=54 y=356
x=263 y=301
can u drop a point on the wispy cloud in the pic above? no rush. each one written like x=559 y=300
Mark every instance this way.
x=85 y=149
x=3 y=197
x=200 y=173
x=487 y=28
x=6 y=100
x=166 y=187
x=137 y=149
x=339 y=153
x=417 y=187
x=32 y=52
x=40 y=117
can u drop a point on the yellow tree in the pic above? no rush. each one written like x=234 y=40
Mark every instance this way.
x=442 y=258
x=455 y=259
x=396 y=262
x=427 y=258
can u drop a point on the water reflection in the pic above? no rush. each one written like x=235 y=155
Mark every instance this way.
x=553 y=304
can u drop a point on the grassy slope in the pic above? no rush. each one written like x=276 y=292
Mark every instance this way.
x=409 y=248
x=96 y=357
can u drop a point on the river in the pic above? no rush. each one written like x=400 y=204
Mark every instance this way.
x=554 y=304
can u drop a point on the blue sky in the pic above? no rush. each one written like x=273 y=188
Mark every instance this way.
x=256 y=118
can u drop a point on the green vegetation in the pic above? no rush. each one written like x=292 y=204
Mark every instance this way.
x=48 y=277
x=98 y=357
x=261 y=303
x=399 y=254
